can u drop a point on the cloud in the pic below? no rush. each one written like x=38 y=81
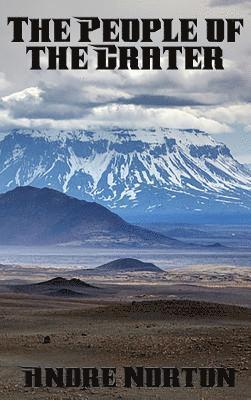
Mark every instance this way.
x=183 y=99
x=75 y=100
x=37 y=103
x=69 y=97
x=130 y=116
x=75 y=105
x=234 y=114
x=7 y=122
x=134 y=116
x=216 y=3
x=159 y=101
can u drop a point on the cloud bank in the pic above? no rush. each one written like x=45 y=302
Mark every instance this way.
x=216 y=3
x=206 y=100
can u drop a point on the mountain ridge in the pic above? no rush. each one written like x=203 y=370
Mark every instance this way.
x=135 y=172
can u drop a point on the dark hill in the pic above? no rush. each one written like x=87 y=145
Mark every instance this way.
x=65 y=293
x=62 y=282
x=127 y=265
x=31 y=216
x=58 y=287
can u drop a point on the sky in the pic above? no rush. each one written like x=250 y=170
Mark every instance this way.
x=217 y=102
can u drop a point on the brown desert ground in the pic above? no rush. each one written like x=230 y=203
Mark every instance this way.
x=165 y=324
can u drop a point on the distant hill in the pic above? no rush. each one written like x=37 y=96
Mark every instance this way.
x=58 y=287
x=32 y=216
x=216 y=245
x=63 y=283
x=127 y=265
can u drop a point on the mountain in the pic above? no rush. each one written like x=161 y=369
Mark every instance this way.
x=127 y=265
x=178 y=175
x=32 y=216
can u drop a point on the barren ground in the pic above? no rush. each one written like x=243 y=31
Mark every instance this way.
x=115 y=333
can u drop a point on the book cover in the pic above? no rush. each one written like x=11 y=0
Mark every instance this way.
x=125 y=200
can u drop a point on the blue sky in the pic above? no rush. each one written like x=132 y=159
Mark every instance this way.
x=214 y=101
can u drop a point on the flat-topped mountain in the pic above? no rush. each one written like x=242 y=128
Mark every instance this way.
x=127 y=265
x=32 y=216
x=148 y=174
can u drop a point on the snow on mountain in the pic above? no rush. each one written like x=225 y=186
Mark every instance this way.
x=134 y=172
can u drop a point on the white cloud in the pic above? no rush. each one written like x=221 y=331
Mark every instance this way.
x=31 y=94
x=233 y=114
x=134 y=116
